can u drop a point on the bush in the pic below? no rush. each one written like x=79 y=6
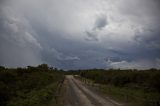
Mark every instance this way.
x=28 y=86
x=146 y=79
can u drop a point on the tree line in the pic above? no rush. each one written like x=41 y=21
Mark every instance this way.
x=143 y=79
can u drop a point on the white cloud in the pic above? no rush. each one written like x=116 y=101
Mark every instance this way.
x=72 y=58
x=135 y=64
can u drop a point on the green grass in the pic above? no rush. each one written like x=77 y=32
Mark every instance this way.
x=29 y=87
x=134 y=87
x=135 y=97
x=35 y=98
x=129 y=96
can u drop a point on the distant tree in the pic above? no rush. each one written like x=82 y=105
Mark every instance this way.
x=56 y=69
x=31 y=68
x=43 y=66
x=51 y=68
x=2 y=68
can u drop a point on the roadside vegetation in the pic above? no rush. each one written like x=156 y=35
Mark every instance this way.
x=132 y=87
x=41 y=85
x=31 y=86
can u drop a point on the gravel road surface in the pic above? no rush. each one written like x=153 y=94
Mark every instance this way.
x=77 y=94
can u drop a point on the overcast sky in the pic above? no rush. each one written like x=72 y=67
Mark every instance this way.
x=80 y=34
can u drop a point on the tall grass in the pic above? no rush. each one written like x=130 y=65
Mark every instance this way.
x=134 y=87
x=33 y=86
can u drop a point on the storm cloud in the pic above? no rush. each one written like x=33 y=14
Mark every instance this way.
x=80 y=34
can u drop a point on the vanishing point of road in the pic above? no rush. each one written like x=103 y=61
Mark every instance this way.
x=77 y=94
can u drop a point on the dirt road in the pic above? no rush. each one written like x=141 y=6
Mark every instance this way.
x=77 y=94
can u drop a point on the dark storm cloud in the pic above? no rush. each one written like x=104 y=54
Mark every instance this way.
x=148 y=45
x=92 y=36
x=80 y=34
x=101 y=22
x=18 y=46
x=150 y=38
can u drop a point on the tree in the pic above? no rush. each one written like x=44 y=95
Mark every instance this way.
x=2 y=68
x=43 y=66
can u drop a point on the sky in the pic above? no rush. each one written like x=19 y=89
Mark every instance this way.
x=80 y=34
